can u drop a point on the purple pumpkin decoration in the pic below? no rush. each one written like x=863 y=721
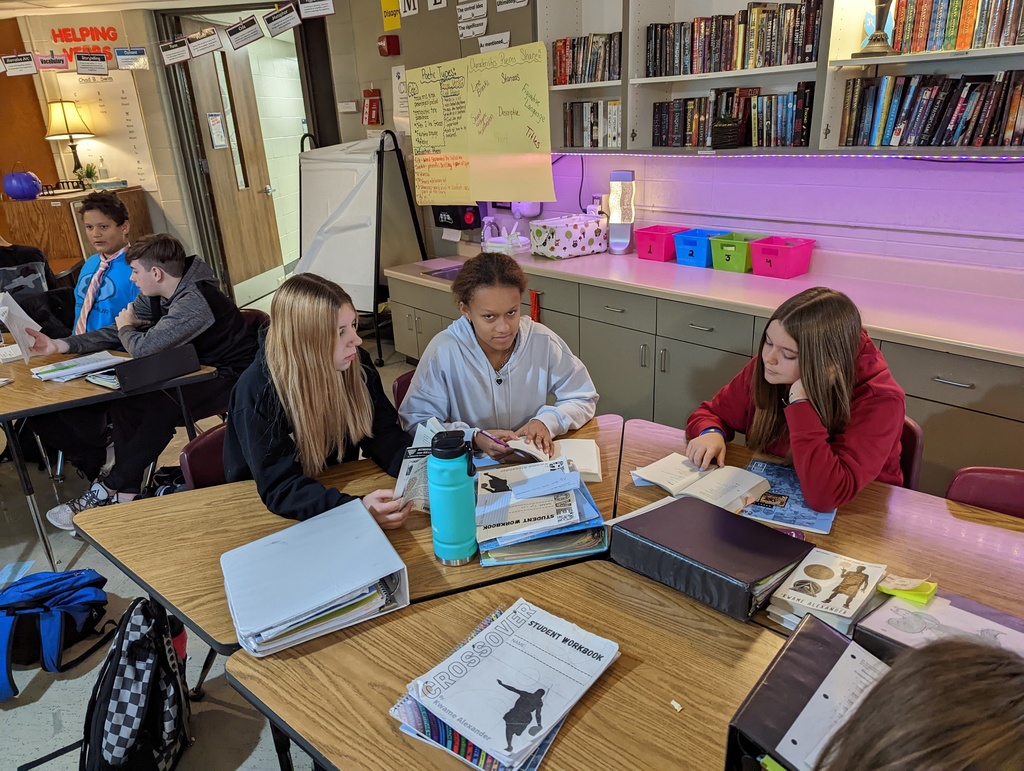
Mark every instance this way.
x=22 y=185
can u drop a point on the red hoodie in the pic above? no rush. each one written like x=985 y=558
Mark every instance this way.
x=831 y=469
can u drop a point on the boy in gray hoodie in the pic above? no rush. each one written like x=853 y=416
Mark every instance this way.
x=178 y=303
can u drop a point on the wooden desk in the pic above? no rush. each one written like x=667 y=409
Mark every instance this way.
x=172 y=545
x=332 y=695
x=970 y=551
x=26 y=396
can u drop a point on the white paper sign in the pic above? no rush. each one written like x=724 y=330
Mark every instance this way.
x=408 y=7
x=433 y=5
x=131 y=58
x=52 y=62
x=474 y=28
x=399 y=98
x=217 y=135
x=205 y=41
x=20 y=64
x=313 y=9
x=174 y=52
x=91 y=64
x=494 y=42
x=282 y=20
x=245 y=32
x=476 y=9
x=508 y=5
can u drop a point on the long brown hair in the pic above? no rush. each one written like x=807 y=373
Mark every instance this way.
x=325 y=407
x=826 y=327
x=952 y=705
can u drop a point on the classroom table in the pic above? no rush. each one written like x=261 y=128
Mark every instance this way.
x=27 y=396
x=970 y=551
x=332 y=694
x=171 y=545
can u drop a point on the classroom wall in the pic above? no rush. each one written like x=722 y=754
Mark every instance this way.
x=957 y=212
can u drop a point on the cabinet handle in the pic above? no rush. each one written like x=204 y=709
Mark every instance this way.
x=419 y=324
x=942 y=380
x=663 y=359
x=408 y=321
x=614 y=310
x=643 y=355
x=702 y=329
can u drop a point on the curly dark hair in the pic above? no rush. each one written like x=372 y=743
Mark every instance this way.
x=107 y=204
x=487 y=269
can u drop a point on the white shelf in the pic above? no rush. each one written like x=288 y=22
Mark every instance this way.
x=930 y=56
x=582 y=86
x=750 y=73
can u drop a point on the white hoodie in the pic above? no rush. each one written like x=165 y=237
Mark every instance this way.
x=455 y=383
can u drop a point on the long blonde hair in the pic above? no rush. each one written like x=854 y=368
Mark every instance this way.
x=326 y=408
x=826 y=327
x=954 y=704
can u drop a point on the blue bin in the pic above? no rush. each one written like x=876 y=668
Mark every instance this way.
x=693 y=247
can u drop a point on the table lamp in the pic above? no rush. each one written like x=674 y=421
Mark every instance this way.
x=621 y=188
x=66 y=123
x=878 y=43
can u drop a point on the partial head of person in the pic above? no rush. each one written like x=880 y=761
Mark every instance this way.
x=105 y=218
x=813 y=337
x=158 y=263
x=312 y=349
x=489 y=289
x=953 y=705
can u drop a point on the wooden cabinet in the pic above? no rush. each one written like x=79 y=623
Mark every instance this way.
x=51 y=223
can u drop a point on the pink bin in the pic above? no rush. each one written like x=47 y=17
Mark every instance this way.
x=781 y=257
x=657 y=242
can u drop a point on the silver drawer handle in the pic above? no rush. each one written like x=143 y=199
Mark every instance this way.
x=614 y=310
x=702 y=329
x=643 y=355
x=408 y=320
x=419 y=326
x=662 y=359
x=942 y=380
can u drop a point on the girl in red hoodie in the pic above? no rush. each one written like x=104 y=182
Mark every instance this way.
x=819 y=394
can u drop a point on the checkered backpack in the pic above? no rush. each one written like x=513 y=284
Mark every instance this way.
x=138 y=715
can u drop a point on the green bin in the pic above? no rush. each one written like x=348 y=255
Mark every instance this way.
x=732 y=251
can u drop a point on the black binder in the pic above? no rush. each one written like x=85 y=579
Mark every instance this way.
x=137 y=374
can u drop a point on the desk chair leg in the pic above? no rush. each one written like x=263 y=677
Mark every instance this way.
x=283 y=746
x=30 y=496
x=197 y=693
x=44 y=455
x=186 y=413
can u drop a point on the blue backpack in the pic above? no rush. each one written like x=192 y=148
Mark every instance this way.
x=43 y=614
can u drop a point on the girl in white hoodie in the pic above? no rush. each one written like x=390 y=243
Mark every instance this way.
x=494 y=370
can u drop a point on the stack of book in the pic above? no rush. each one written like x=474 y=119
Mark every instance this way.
x=836 y=589
x=499 y=699
x=594 y=123
x=536 y=511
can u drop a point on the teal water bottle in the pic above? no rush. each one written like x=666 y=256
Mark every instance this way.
x=452 y=498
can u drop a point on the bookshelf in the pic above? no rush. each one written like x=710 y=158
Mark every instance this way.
x=840 y=35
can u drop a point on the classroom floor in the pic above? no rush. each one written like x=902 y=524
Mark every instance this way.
x=50 y=710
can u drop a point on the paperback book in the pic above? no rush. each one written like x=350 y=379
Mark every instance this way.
x=728 y=487
x=584 y=454
x=783 y=503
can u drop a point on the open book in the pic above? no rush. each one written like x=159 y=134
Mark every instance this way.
x=727 y=487
x=584 y=453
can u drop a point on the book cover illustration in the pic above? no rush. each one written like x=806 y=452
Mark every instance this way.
x=784 y=503
x=829 y=583
x=589 y=516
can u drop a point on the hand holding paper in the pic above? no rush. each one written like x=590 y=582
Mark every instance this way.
x=389 y=512
x=20 y=324
x=41 y=345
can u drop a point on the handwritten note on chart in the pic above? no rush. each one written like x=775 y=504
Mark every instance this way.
x=481 y=129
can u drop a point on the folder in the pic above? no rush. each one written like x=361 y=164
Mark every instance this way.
x=136 y=374
x=320 y=575
x=723 y=560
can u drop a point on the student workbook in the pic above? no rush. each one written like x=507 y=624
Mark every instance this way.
x=783 y=503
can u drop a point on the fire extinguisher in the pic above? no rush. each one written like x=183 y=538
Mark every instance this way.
x=371 y=107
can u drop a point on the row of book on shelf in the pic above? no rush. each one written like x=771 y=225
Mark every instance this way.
x=762 y=35
x=596 y=123
x=589 y=58
x=934 y=110
x=760 y=120
x=956 y=25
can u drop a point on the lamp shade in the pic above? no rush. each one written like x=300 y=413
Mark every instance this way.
x=65 y=122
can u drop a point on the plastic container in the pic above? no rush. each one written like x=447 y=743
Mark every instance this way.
x=574 y=235
x=732 y=251
x=781 y=257
x=693 y=247
x=656 y=242
x=452 y=494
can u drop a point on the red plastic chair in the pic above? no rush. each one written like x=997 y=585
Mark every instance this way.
x=401 y=386
x=989 y=487
x=202 y=459
x=911 y=451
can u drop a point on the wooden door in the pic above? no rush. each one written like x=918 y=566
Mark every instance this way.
x=239 y=179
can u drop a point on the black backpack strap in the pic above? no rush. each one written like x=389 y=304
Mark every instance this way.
x=107 y=634
x=47 y=758
x=8 y=690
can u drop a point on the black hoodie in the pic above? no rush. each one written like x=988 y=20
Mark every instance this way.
x=259 y=445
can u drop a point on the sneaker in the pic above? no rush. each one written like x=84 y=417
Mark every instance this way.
x=63 y=516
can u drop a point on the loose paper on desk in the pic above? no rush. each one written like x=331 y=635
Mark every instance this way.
x=69 y=369
x=17 y=321
x=412 y=478
x=481 y=129
x=840 y=692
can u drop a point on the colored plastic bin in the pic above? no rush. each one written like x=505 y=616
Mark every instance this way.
x=655 y=242
x=693 y=247
x=781 y=257
x=732 y=251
